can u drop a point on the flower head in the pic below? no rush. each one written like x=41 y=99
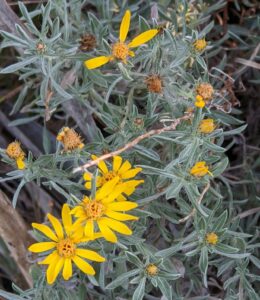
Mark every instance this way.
x=14 y=151
x=200 y=44
x=120 y=169
x=87 y=42
x=212 y=238
x=70 y=139
x=122 y=50
x=104 y=211
x=200 y=169
x=152 y=270
x=207 y=126
x=200 y=103
x=154 y=83
x=205 y=90
x=64 y=245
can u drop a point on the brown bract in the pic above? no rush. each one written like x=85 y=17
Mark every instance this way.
x=154 y=83
x=88 y=42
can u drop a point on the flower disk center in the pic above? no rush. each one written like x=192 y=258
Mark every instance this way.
x=66 y=248
x=94 y=209
x=120 y=51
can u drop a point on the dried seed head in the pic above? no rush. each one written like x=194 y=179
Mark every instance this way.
x=139 y=122
x=152 y=270
x=212 y=238
x=200 y=44
x=40 y=47
x=70 y=139
x=154 y=83
x=205 y=90
x=15 y=151
x=88 y=42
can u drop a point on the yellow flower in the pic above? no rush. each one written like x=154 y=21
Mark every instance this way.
x=199 y=102
x=120 y=169
x=200 y=44
x=207 y=126
x=14 y=151
x=121 y=50
x=200 y=169
x=104 y=211
x=63 y=243
x=212 y=238
x=152 y=270
x=70 y=139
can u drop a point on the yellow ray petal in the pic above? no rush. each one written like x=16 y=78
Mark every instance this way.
x=106 y=231
x=118 y=190
x=83 y=265
x=131 y=173
x=121 y=198
x=66 y=218
x=54 y=269
x=143 y=38
x=45 y=230
x=106 y=188
x=67 y=269
x=89 y=229
x=117 y=161
x=54 y=256
x=117 y=226
x=96 y=62
x=120 y=216
x=131 y=186
x=122 y=206
x=89 y=254
x=101 y=165
x=125 y=167
x=42 y=247
x=124 y=27
x=56 y=225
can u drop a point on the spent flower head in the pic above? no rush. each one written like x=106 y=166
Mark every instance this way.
x=64 y=246
x=122 y=50
x=70 y=139
x=14 y=151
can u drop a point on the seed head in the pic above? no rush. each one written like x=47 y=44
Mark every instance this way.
x=154 y=83
x=88 y=42
x=70 y=139
x=205 y=90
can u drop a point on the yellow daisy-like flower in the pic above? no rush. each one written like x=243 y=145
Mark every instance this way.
x=207 y=126
x=105 y=212
x=120 y=169
x=121 y=50
x=200 y=169
x=63 y=243
x=14 y=151
x=200 y=103
x=212 y=238
x=200 y=44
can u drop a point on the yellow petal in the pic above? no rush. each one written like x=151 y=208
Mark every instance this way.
x=125 y=167
x=83 y=265
x=106 y=231
x=116 y=192
x=122 y=206
x=96 y=62
x=117 y=161
x=121 y=198
x=67 y=269
x=54 y=269
x=41 y=247
x=106 y=188
x=131 y=186
x=117 y=226
x=131 y=173
x=54 y=256
x=56 y=225
x=131 y=53
x=143 y=38
x=89 y=228
x=66 y=218
x=89 y=254
x=87 y=176
x=124 y=27
x=20 y=163
x=101 y=165
x=120 y=216
x=45 y=230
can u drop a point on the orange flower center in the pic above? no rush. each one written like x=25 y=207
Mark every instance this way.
x=152 y=270
x=66 y=248
x=212 y=238
x=200 y=44
x=120 y=51
x=94 y=209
